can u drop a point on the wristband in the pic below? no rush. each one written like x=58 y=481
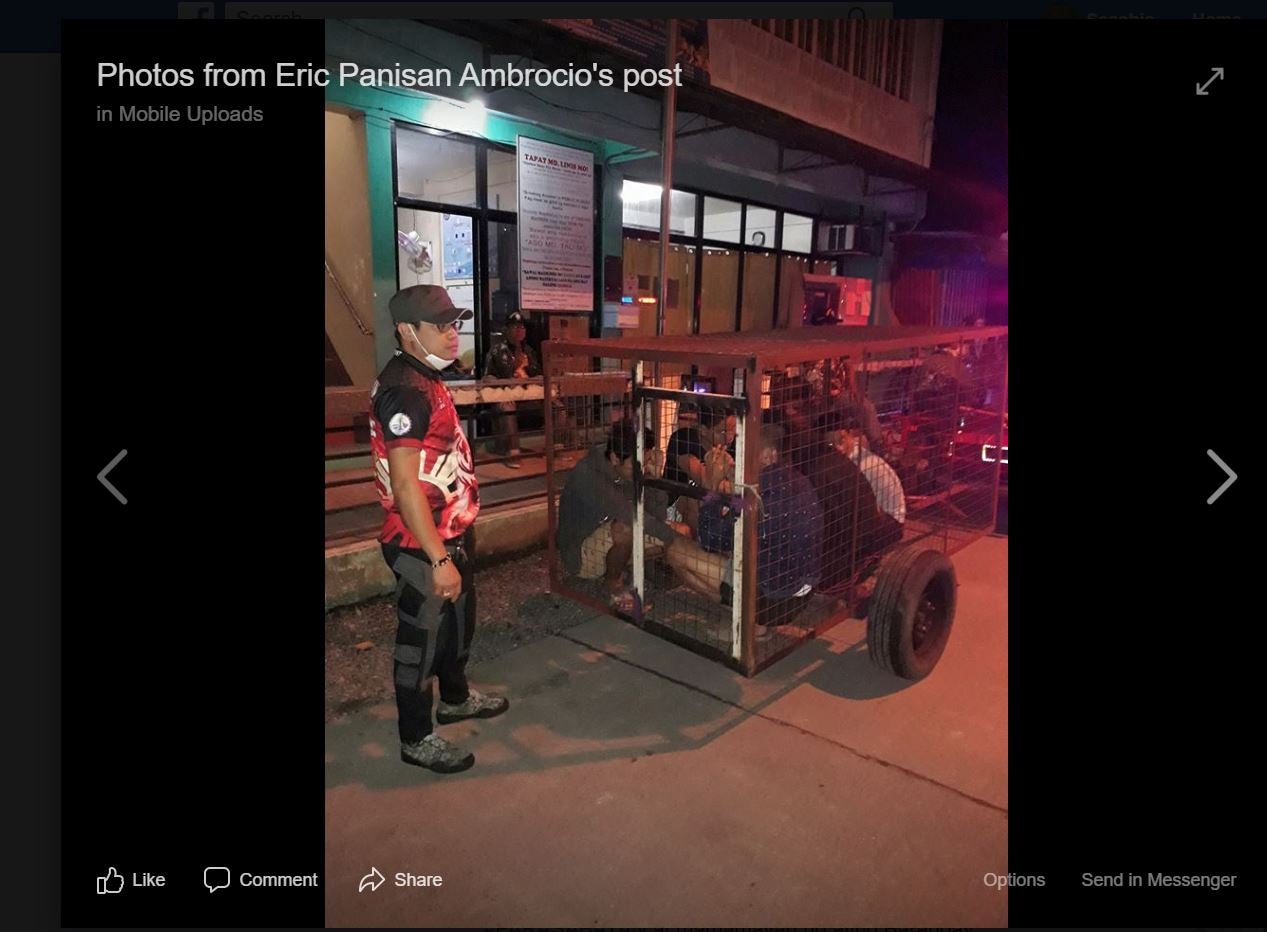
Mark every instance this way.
x=447 y=558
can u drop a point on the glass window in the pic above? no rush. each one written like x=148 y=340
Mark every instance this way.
x=503 y=271
x=721 y=219
x=719 y=290
x=791 y=290
x=805 y=34
x=501 y=180
x=677 y=314
x=434 y=168
x=758 y=291
x=641 y=208
x=417 y=251
x=827 y=39
x=798 y=232
x=439 y=249
x=760 y=227
x=642 y=261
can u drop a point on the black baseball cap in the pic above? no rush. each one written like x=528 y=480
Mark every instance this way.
x=514 y=317
x=430 y=303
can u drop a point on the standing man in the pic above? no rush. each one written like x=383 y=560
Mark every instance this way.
x=426 y=484
x=511 y=358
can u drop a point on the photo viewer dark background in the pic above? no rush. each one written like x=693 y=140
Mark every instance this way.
x=193 y=682
x=193 y=645
x=1135 y=626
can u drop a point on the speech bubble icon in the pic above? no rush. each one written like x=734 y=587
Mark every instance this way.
x=215 y=878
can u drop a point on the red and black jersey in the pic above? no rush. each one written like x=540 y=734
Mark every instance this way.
x=410 y=406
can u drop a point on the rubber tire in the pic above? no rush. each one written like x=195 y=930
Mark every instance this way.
x=902 y=579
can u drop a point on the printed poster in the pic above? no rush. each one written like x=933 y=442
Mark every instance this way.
x=556 y=226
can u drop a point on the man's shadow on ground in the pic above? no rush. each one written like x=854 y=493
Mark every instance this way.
x=594 y=693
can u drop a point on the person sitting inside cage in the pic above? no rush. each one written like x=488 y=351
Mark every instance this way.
x=789 y=534
x=793 y=407
x=856 y=527
x=926 y=463
x=715 y=527
x=687 y=452
x=596 y=513
x=856 y=405
x=853 y=441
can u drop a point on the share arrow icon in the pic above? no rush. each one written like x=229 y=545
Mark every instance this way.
x=373 y=880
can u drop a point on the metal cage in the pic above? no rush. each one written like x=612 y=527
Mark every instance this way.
x=822 y=474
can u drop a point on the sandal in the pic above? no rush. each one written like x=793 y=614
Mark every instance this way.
x=624 y=602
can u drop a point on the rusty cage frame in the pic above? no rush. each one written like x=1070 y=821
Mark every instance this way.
x=629 y=373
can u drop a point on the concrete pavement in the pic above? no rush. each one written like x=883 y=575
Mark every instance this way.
x=633 y=783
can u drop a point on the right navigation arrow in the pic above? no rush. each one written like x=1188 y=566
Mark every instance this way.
x=1231 y=477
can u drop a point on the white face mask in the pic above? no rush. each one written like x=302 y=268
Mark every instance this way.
x=434 y=361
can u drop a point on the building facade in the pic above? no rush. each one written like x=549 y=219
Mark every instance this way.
x=802 y=148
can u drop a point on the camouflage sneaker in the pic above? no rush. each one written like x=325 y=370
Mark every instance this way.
x=434 y=753
x=477 y=705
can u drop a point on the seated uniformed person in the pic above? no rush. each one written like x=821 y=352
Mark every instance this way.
x=511 y=358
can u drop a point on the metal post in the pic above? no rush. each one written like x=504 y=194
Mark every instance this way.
x=746 y=554
x=954 y=433
x=552 y=517
x=738 y=635
x=639 y=523
x=998 y=450
x=666 y=171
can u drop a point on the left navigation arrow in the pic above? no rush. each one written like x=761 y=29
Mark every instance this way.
x=101 y=477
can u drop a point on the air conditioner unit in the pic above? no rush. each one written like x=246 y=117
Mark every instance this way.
x=841 y=236
x=855 y=238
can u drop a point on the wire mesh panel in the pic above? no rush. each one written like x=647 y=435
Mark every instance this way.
x=741 y=505
x=589 y=538
x=689 y=584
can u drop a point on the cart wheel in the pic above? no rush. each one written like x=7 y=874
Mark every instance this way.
x=911 y=612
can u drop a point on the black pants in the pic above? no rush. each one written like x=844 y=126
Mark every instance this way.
x=888 y=532
x=433 y=635
x=506 y=440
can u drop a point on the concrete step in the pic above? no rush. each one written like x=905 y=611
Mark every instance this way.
x=355 y=570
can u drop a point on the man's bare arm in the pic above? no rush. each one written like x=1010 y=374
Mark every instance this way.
x=411 y=499
x=692 y=465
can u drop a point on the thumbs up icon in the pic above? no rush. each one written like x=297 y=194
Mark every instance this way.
x=112 y=882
